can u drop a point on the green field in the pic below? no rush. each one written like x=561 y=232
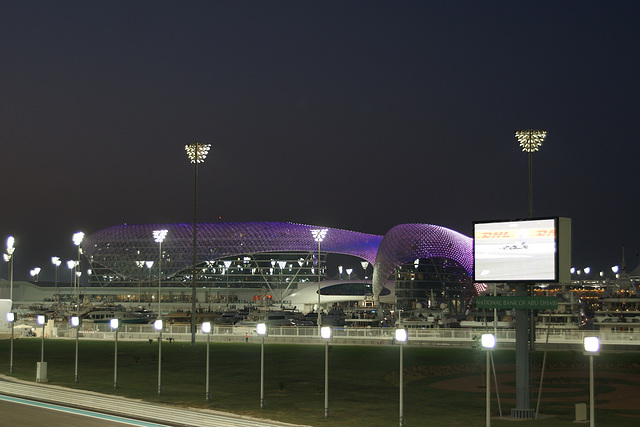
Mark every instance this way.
x=363 y=388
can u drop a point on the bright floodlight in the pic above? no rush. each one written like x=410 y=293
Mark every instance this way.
x=10 y=242
x=587 y=270
x=401 y=335
x=206 y=327
x=319 y=234
x=615 y=268
x=56 y=261
x=591 y=344
x=157 y=325
x=197 y=152
x=159 y=235
x=41 y=319
x=261 y=328
x=75 y=321
x=77 y=238
x=531 y=139
x=113 y=323
x=488 y=341
x=11 y=316
x=325 y=332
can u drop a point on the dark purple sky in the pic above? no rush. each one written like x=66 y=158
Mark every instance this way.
x=352 y=114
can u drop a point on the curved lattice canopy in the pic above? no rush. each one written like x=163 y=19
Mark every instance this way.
x=407 y=242
x=119 y=248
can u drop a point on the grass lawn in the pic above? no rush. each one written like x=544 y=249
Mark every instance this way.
x=443 y=387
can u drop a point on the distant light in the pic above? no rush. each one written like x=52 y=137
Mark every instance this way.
x=615 y=269
x=157 y=325
x=325 y=332
x=573 y=270
x=159 y=235
x=10 y=242
x=71 y=264
x=149 y=264
x=591 y=344
x=488 y=341
x=261 y=328
x=56 y=261
x=282 y=264
x=364 y=264
x=197 y=152
x=75 y=321
x=319 y=234
x=401 y=335
x=41 y=319
x=531 y=139
x=206 y=327
x=11 y=316
x=587 y=270
x=113 y=323
x=77 y=238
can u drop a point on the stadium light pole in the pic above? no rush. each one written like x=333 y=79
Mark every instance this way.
x=158 y=236
x=56 y=261
x=488 y=344
x=206 y=329
x=8 y=257
x=591 y=348
x=75 y=323
x=261 y=329
x=531 y=140
x=318 y=235
x=197 y=153
x=157 y=325
x=114 y=323
x=401 y=338
x=77 y=240
x=11 y=318
x=326 y=335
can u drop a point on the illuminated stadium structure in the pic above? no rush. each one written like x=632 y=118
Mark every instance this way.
x=279 y=257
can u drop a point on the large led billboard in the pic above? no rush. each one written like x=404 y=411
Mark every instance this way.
x=522 y=250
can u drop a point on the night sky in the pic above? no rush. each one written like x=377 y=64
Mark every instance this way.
x=358 y=115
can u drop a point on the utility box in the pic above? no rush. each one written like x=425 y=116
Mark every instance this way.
x=41 y=372
x=581 y=412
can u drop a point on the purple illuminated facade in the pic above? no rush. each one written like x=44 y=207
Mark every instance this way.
x=116 y=252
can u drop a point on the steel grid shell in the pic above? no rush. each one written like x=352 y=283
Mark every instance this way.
x=406 y=242
x=118 y=248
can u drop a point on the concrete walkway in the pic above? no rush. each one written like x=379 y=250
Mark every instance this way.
x=137 y=409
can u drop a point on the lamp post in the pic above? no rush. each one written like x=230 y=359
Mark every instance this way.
x=488 y=344
x=261 y=329
x=149 y=264
x=326 y=335
x=157 y=325
x=42 y=320
x=318 y=235
x=206 y=329
x=364 y=265
x=401 y=338
x=227 y=265
x=11 y=317
x=56 y=262
x=8 y=257
x=114 y=326
x=197 y=153
x=158 y=236
x=340 y=269
x=591 y=348
x=531 y=140
x=71 y=265
x=77 y=239
x=41 y=367
x=75 y=323
x=282 y=265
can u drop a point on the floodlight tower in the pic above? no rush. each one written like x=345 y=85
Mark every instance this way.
x=318 y=235
x=158 y=236
x=77 y=239
x=8 y=257
x=56 y=261
x=197 y=153
x=531 y=140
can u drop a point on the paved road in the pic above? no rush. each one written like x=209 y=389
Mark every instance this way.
x=22 y=412
x=119 y=406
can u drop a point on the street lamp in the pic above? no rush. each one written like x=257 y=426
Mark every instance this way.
x=56 y=261
x=197 y=154
x=401 y=338
x=318 y=235
x=325 y=332
x=114 y=326
x=206 y=329
x=157 y=325
x=158 y=236
x=364 y=265
x=488 y=344
x=591 y=348
x=282 y=265
x=261 y=329
x=75 y=323
x=41 y=367
x=8 y=257
x=71 y=265
x=11 y=317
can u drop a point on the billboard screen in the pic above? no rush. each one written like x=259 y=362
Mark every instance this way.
x=522 y=250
